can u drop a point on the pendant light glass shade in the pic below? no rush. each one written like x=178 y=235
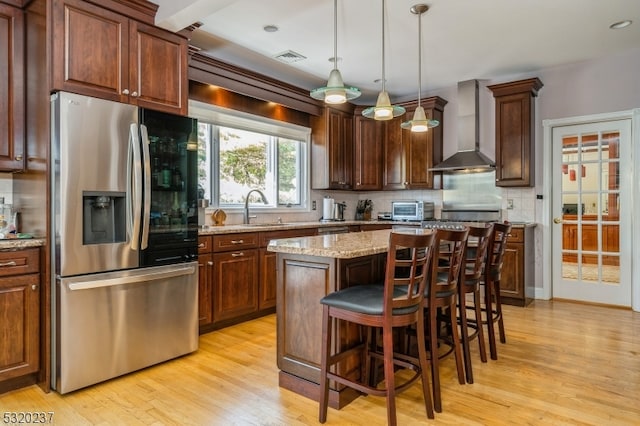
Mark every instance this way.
x=383 y=109
x=335 y=91
x=419 y=123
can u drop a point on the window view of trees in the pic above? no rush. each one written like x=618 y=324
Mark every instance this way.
x=240 y=160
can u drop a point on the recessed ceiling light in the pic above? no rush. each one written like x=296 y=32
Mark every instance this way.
x=620 y=24
x=270 y=28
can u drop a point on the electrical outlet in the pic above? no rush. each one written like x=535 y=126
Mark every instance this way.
x=313 y=205
x=509 y=203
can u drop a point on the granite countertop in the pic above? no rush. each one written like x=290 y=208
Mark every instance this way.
x=257 y=227
x=21 y=243
x=340 y=246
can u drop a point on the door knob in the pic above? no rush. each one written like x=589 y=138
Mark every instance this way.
x=557 y=220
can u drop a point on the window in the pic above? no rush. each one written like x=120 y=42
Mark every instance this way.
x=239 y=152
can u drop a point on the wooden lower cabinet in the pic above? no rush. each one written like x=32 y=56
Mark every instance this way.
x=19 y=317
x=517 y=283
x=237 y=276
x=205 y=277
x=302 y=282
x=235 y=284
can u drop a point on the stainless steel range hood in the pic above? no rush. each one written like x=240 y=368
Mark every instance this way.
x=468 y=157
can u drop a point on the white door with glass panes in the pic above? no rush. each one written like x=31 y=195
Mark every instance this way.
x=592 y=206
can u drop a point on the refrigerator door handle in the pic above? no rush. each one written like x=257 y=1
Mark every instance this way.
x=137 y=278
x=136 y=186
x=146 y=206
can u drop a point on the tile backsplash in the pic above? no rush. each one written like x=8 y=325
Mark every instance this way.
x=6 y=187
x=523 y=201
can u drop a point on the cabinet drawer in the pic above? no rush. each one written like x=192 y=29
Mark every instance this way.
x=265 y=237
x=204 y=244
x=516 y=235
x=19 y=262
x=235 y=241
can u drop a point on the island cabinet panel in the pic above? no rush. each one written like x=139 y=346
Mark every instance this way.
x=12 y=141
x=515 y=132
x=19 y=317
x=302 y=281
x=98 y=52
x=267 y=275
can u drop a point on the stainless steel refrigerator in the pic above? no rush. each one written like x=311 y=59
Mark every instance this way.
x=124 y=253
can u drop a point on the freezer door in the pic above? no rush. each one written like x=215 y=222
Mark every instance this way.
x=114 y=323
x=96 y=184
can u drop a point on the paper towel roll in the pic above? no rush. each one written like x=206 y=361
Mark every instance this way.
x=327 y=208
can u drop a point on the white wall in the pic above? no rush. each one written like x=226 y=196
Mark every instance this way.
x=607 y=84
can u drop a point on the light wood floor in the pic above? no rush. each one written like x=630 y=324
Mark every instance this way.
x=563 y=364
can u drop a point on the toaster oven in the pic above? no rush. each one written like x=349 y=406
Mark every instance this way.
x=411 y=210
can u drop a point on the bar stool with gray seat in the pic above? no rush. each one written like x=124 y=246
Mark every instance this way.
x=473 y=267
x=491 y=282
x=397 y=303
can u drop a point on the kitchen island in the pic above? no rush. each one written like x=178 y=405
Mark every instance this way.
x=308 y=268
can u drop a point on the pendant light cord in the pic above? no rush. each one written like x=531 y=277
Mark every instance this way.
x=419 y=57
x=335 y=34
x=383 y=77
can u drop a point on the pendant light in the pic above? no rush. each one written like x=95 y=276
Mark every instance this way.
x=335 y=92
x=420 y=123
x=383 y=109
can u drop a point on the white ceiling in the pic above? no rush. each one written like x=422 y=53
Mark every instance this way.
x=462 y=39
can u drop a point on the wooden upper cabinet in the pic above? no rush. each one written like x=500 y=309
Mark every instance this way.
x=100 y=53
x=369 y=137
x=158 y=61
x=12 y=141
x=332 y=149
x=515 y=132
x=409 y=155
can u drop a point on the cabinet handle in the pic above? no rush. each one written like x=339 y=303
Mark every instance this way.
x=210 y=263
x=201 y=245
x=237 y=241
x=10 y=263
x=18 y=157
x=34 y=287
x=134 y=94
x=125 y=92
x=240 y=254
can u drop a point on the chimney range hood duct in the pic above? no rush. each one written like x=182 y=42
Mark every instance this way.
x=468 y=158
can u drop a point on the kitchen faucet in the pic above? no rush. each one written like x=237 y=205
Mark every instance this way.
x=246 y=204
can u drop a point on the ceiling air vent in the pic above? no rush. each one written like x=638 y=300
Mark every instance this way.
x=289 y=57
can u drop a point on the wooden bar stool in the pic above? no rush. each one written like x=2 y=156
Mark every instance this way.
x=476 y=253
x=491 y=281
x=440 y=303
x=397 y=303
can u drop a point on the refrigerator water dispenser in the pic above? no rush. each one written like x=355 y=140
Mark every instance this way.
x=103 y=217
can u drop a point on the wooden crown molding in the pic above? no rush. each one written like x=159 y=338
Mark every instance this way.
x=204 y=69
